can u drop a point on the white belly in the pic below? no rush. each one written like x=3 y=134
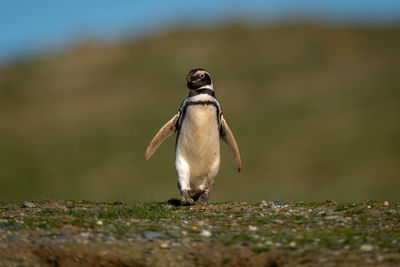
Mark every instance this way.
x=197 y=155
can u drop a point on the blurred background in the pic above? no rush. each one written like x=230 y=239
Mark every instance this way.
x=311 y=90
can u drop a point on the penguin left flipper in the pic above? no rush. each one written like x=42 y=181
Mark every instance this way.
x=229 y=139
x=166 y=131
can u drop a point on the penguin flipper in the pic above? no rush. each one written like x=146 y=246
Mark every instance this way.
x=166 y=131
x=227 y=136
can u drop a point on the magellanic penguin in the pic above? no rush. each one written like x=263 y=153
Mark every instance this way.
x=199 y=124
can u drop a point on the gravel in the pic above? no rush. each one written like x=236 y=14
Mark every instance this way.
x=156 y=234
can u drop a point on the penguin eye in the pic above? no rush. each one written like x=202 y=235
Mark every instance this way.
x=202 y=76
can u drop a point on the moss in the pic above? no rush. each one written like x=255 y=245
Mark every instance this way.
x=341 y=207
x=226 y=259
x=229 y=223
x=260 y=249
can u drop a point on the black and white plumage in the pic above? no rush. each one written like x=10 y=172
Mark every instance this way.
x=199 y=124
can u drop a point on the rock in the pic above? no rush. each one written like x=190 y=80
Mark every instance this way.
x=366 y=247
x=263 y=204
x=174 y=233
x=85 y=234
x=386 y=203
x=3 y=221
x=332 y=217
x=253 y=228
x=99 y=222
x=27 y=204
x=205 y=233
x=328 y=212
x=152 y=234
x=164 y=245
x=292 y=244
x=62 y=207
x=13 y=238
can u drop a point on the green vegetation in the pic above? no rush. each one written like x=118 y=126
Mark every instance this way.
x=222 y=233
x=315 y=111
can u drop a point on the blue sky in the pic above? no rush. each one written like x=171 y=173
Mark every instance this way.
x=28 y=26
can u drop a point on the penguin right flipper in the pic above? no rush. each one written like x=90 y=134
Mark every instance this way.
x=227 y=136
x=166 y=131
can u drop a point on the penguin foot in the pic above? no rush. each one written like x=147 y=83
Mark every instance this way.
x=186 y=198
x=204 y=197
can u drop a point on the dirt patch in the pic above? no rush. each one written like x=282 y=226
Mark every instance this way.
x=70 y=257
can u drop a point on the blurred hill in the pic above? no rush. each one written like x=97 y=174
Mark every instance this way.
x=315 y=111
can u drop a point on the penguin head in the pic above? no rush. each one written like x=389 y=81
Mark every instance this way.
x=198 y=78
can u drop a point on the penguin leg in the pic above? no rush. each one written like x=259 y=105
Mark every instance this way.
x=206 y=187
x=183 y=174
x=204 y=197
x=186 y=198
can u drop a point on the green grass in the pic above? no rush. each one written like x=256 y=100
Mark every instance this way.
x=226 y=259
x=314 y=110
x=261 y=249
x=293 y=232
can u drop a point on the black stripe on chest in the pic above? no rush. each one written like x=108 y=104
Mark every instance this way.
x=206 y=91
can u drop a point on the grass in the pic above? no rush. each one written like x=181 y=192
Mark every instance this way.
x=327 y=231
x=316 y=120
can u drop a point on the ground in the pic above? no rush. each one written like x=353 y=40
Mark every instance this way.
x=82 y=233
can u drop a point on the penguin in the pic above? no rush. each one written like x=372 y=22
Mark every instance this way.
x=199 y=124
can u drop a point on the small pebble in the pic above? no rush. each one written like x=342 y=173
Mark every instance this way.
x=328 y=212
x=27 y=204
x=85 y=234
x=380 y=258
x=252 y=228
x=164 y=245
x=366 y=247
x=332 y=217
x=205 y=233
x=386 y=203
x=174 y=233
x=151 y=234
x=99 y=222
x=292 y=244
